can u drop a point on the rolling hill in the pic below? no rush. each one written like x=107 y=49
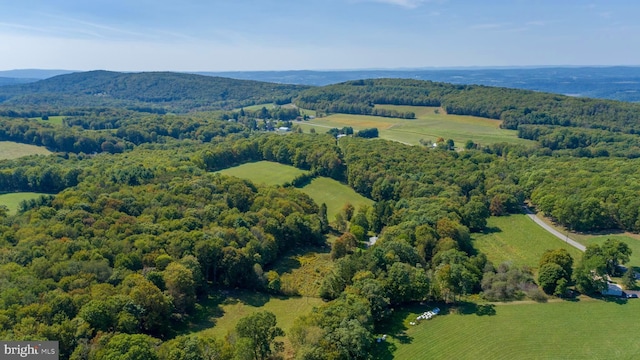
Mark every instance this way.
x=149 y=91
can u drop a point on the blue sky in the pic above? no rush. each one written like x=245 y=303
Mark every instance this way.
x=215 y=35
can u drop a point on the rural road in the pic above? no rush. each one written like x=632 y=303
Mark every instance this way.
x=553 y=231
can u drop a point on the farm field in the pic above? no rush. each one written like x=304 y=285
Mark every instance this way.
x=239 y=304
x=53 y=120
x=258 y=107
x=334 y=194
x=14 y=150
x=518 y=239
x=264 y=172
x=12 y=200
x=556 y=330
x=427 y=126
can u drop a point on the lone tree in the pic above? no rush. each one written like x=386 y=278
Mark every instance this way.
x=259 y=331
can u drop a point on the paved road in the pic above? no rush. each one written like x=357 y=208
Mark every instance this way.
x=553 y=231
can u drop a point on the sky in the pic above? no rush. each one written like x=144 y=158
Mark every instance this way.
x=245 y=35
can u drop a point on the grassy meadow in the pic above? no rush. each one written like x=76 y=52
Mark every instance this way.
x=264 y=172
x=14 y=150
x=631 y=239
x=301 y=271
x=12 y=200
x=53 y=120
x=224 y=312
x=585 y=329
x=428 y=126
x=519 y=240
x=321 y=189
x=334 y=194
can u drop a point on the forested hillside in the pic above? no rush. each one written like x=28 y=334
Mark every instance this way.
x=153 y=92
x=136 y=237
x=513 y=107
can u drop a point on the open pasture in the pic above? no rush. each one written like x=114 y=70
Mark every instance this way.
x=53 y=120
x=14 y=150
x=258 y=107
x=427 y=126
x=631 y=239
x=264 y=172
x=12 y=200
x=586 y=329
x=519 y=240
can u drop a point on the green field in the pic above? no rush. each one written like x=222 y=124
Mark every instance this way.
x=631 y=240
x=264 y=172
x=427 y=126
x=334 y=194
x=239 y=304
x=12 y=200
x=321 y=189
x=258 y=107
x=54 y=120
x=302 y=271
x=14 y=150
x=519 y=240
x=587 y=329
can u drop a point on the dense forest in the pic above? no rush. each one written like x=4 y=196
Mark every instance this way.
x=138 y=230
x=150 y=92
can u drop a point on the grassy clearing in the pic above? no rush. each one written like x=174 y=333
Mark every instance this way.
x=225 y=312
x=321 y=189
x=302 y=271
x=556 y=330
x=633 y=240
x=264 y=172
x=53 y=120
x=519 y=240
x=334 y=194
x=258 y=107
x=12 y=200
x=14 y=150
x=427 y=126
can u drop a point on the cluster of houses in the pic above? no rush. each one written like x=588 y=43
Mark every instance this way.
x=427 y=315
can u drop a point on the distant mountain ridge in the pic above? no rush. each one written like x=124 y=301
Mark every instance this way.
x=615 y=83
x=151 y=91
x=608 y=82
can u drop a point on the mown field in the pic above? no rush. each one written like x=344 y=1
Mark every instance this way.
x=519 y=240
x=428 y=126
x=631 y=240
x=321 y=189
x=14 y=150
x=264 y=172
x=586 y=329
x=12 y=200
x=334 y=194
x=54 y=120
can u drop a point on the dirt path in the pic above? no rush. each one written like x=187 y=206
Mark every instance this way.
x=556 y=233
